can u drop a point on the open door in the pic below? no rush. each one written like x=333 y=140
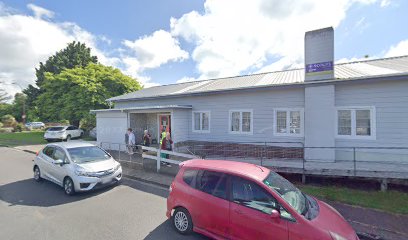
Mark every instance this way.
x=164 y=124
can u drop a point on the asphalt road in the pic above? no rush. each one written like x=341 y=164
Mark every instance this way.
x=31 y=210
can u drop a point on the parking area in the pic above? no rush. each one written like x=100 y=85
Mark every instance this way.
x=31 y=210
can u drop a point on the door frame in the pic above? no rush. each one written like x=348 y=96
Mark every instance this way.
x=170 y=114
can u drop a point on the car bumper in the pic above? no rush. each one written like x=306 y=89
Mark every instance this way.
x=54 y=136
x=83 y=183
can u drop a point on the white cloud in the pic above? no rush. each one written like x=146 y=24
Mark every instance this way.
x=385 y=3
x=399 y=49
x=231 y=37
x=157 y=49
x=26 y=40
x=40 y=12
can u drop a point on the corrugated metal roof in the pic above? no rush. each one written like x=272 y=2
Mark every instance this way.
x=344 y=71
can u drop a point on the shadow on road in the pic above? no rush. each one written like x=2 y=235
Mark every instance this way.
x=166 y=231
x=42 y=194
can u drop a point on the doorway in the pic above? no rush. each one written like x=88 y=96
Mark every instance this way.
x=164 y=124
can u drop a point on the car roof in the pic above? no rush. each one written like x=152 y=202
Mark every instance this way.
x=71 y=144
x=232 y=167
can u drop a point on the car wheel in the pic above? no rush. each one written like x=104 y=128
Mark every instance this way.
x=68 y=138
x=182 y=221
x=69 y=186
x=81 y=135
x=37 y=174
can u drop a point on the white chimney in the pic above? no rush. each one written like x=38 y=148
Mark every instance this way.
x=319 y=54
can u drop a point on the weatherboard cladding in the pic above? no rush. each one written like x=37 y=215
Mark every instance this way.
x=344 y=71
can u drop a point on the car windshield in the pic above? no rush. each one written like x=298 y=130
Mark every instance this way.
x=287 y=191
x=87 y=154
x=55 y=128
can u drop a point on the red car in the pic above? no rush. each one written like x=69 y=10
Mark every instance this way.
x=235 y=200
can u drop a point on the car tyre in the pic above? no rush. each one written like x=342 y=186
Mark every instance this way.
x=68 y=138
x=81 y=135
x=37 y=174
x=69 y=188
x=182 y=221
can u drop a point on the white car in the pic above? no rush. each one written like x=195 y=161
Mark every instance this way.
x=62 y=133
x=35 y=125
x=76 y=166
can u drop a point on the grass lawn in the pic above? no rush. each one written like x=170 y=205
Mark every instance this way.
x=390 y=201
x=22 y=138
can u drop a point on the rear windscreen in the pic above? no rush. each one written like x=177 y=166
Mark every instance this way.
x=55 y=128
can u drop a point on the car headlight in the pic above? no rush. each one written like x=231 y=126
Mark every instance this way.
x=117 y=167
x=336 y=236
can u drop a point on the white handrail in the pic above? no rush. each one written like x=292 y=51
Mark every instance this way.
x=159 y=159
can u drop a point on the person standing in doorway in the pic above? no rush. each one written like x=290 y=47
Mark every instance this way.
x=130 y=140
x=167 y=144
x=146 y=138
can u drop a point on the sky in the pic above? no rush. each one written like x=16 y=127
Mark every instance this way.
x=162 y=42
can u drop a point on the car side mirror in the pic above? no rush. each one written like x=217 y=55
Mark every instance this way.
x=275 y=214
x=58 y=162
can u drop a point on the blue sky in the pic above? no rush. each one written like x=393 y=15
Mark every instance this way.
x=169 y=41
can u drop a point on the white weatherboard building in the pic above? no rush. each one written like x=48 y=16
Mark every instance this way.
x=357 y=104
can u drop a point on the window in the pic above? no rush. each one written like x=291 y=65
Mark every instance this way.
x=59 y=154
x=48 y=151
x=288 y=122
x=240 y=121
x=201 y=121
x=70 y=128
x=250 y=194
x=213 y=183
x=356 y=122
x=188 y=177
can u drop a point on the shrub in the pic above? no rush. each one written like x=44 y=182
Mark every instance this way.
x=1 y=124
x=8 y=121
x=88 y=122
x=19 y=127
x=64 y=122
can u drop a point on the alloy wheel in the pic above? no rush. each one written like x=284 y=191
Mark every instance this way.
x=181 y=221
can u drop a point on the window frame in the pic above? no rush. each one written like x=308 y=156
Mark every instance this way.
x=231 y=196
x=201 y=123
x=240 y=119
x=353 y=135
x=288 y=110
x=198 y=177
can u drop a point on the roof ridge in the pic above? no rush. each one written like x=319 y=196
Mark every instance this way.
x=286 y=70
x=373 y=60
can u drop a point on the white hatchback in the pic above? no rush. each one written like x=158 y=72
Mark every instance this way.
x=62 y=133
x=76 y=166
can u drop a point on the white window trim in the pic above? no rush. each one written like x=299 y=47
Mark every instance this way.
x=373 y=123
x=288 y=110
x=240 y=127
x=209 y=122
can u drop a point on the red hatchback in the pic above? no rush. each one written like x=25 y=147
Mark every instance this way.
x=234 y=200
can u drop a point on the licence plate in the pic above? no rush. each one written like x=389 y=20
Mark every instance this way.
x=106 y=180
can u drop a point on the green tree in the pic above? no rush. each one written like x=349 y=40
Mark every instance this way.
x=8 y=120
x=74 y=92
x=18 y=106
x=75 y=55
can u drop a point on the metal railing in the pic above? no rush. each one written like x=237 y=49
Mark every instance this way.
x=290 y=157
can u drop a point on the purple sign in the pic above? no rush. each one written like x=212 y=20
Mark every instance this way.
x=319 y=67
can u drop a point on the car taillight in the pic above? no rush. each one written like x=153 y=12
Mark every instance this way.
x=171 y=188
x=36 y=154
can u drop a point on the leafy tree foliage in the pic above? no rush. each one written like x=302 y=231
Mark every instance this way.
x=73 y=92
x=8 y=121
x=76 y=54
